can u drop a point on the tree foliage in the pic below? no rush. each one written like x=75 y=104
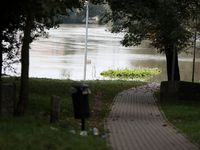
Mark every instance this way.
x=13 y=15
x=78 y=16
x=166 y=23
x=32 y=17
x=163 y=22
x=10 y=22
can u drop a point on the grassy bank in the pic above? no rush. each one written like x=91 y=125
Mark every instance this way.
x=34 y=132
x=184 y=115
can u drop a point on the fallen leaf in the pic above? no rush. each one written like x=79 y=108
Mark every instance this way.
x=164 y=125
x=113 y=119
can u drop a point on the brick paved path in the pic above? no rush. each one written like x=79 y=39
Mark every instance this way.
x=135 y=123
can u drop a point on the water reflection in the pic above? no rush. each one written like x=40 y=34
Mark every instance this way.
x=62 y=55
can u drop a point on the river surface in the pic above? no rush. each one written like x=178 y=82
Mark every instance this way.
x=62 y=55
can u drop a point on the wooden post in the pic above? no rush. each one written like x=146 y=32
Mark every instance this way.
x=55 y=109
x=7 y=100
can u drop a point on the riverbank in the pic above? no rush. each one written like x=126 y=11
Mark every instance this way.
x=34 y=130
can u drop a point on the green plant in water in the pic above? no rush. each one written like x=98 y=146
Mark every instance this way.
x=140 y=73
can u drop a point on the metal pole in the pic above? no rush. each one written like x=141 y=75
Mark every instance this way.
x=195 y=38
x=86 y=36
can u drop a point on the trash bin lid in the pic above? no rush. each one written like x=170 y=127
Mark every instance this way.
x=81 y=85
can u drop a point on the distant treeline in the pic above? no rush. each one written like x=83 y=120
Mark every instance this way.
x=78 y=16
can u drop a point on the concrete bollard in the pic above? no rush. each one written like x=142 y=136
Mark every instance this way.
x=55 y=109
x=179 y=90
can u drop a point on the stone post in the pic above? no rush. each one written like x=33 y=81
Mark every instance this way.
x=55 y=109
x=179 y=90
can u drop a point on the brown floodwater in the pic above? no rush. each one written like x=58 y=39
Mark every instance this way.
x=62 y=55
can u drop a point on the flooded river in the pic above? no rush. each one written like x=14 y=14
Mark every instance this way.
x=62 y=55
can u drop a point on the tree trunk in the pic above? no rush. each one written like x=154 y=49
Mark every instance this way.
x=1 y=56
x=169 y=58
x=24 y=86
x=1 y=49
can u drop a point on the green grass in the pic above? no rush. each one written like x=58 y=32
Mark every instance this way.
x=184 y=115
x=34 y=131
x=140 y=73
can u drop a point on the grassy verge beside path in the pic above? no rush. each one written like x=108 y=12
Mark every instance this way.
x=33 y=132
x=184 y=115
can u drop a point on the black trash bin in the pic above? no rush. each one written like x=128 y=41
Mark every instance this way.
x=80 y=100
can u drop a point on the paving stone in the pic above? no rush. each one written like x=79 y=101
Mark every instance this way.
x=135 y=123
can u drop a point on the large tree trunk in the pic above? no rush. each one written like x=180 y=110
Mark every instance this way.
x=24 y=87
x=1 y=58
x=1 y=55
x=169 y=58
x=1 y=50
